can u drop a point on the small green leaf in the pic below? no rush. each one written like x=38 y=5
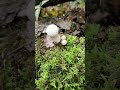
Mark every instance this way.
x=43 y=2
x=37 y=6
x=53 y=83
x=37 y=12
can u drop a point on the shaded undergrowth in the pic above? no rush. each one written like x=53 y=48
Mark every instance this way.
x=102 y=57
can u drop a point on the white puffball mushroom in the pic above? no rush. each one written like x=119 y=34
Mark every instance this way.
x=52 y=36
x=63 y=37
x=63 y=42
x=52 y=30
x=56 y=39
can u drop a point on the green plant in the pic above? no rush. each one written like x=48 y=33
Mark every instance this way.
x=38 y=8
x=102 y=58
x=62 y=67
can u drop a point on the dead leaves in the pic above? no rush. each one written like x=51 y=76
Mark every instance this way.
x=61 y=9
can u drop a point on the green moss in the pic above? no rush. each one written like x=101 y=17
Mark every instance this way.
x=62 y=67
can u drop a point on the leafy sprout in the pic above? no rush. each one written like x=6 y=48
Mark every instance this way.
x=38 y=8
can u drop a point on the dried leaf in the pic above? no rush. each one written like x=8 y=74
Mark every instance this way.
x=54 y=12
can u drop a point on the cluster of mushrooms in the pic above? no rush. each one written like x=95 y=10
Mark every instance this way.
x=53 y=36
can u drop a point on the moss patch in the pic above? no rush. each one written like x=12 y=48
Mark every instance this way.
x=61 y=67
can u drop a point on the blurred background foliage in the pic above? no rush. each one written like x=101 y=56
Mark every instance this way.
x=56 y=10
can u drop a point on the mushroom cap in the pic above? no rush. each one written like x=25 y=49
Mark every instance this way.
x=52 y=30
x=63 y=42
x=63 y=37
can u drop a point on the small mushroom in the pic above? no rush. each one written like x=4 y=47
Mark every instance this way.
x=63 y=37
x=64 y=42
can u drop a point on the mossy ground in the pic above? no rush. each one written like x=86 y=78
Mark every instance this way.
x=61 y=67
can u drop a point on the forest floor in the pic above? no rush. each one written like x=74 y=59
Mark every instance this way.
x=61 y=67
x=70 y=20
